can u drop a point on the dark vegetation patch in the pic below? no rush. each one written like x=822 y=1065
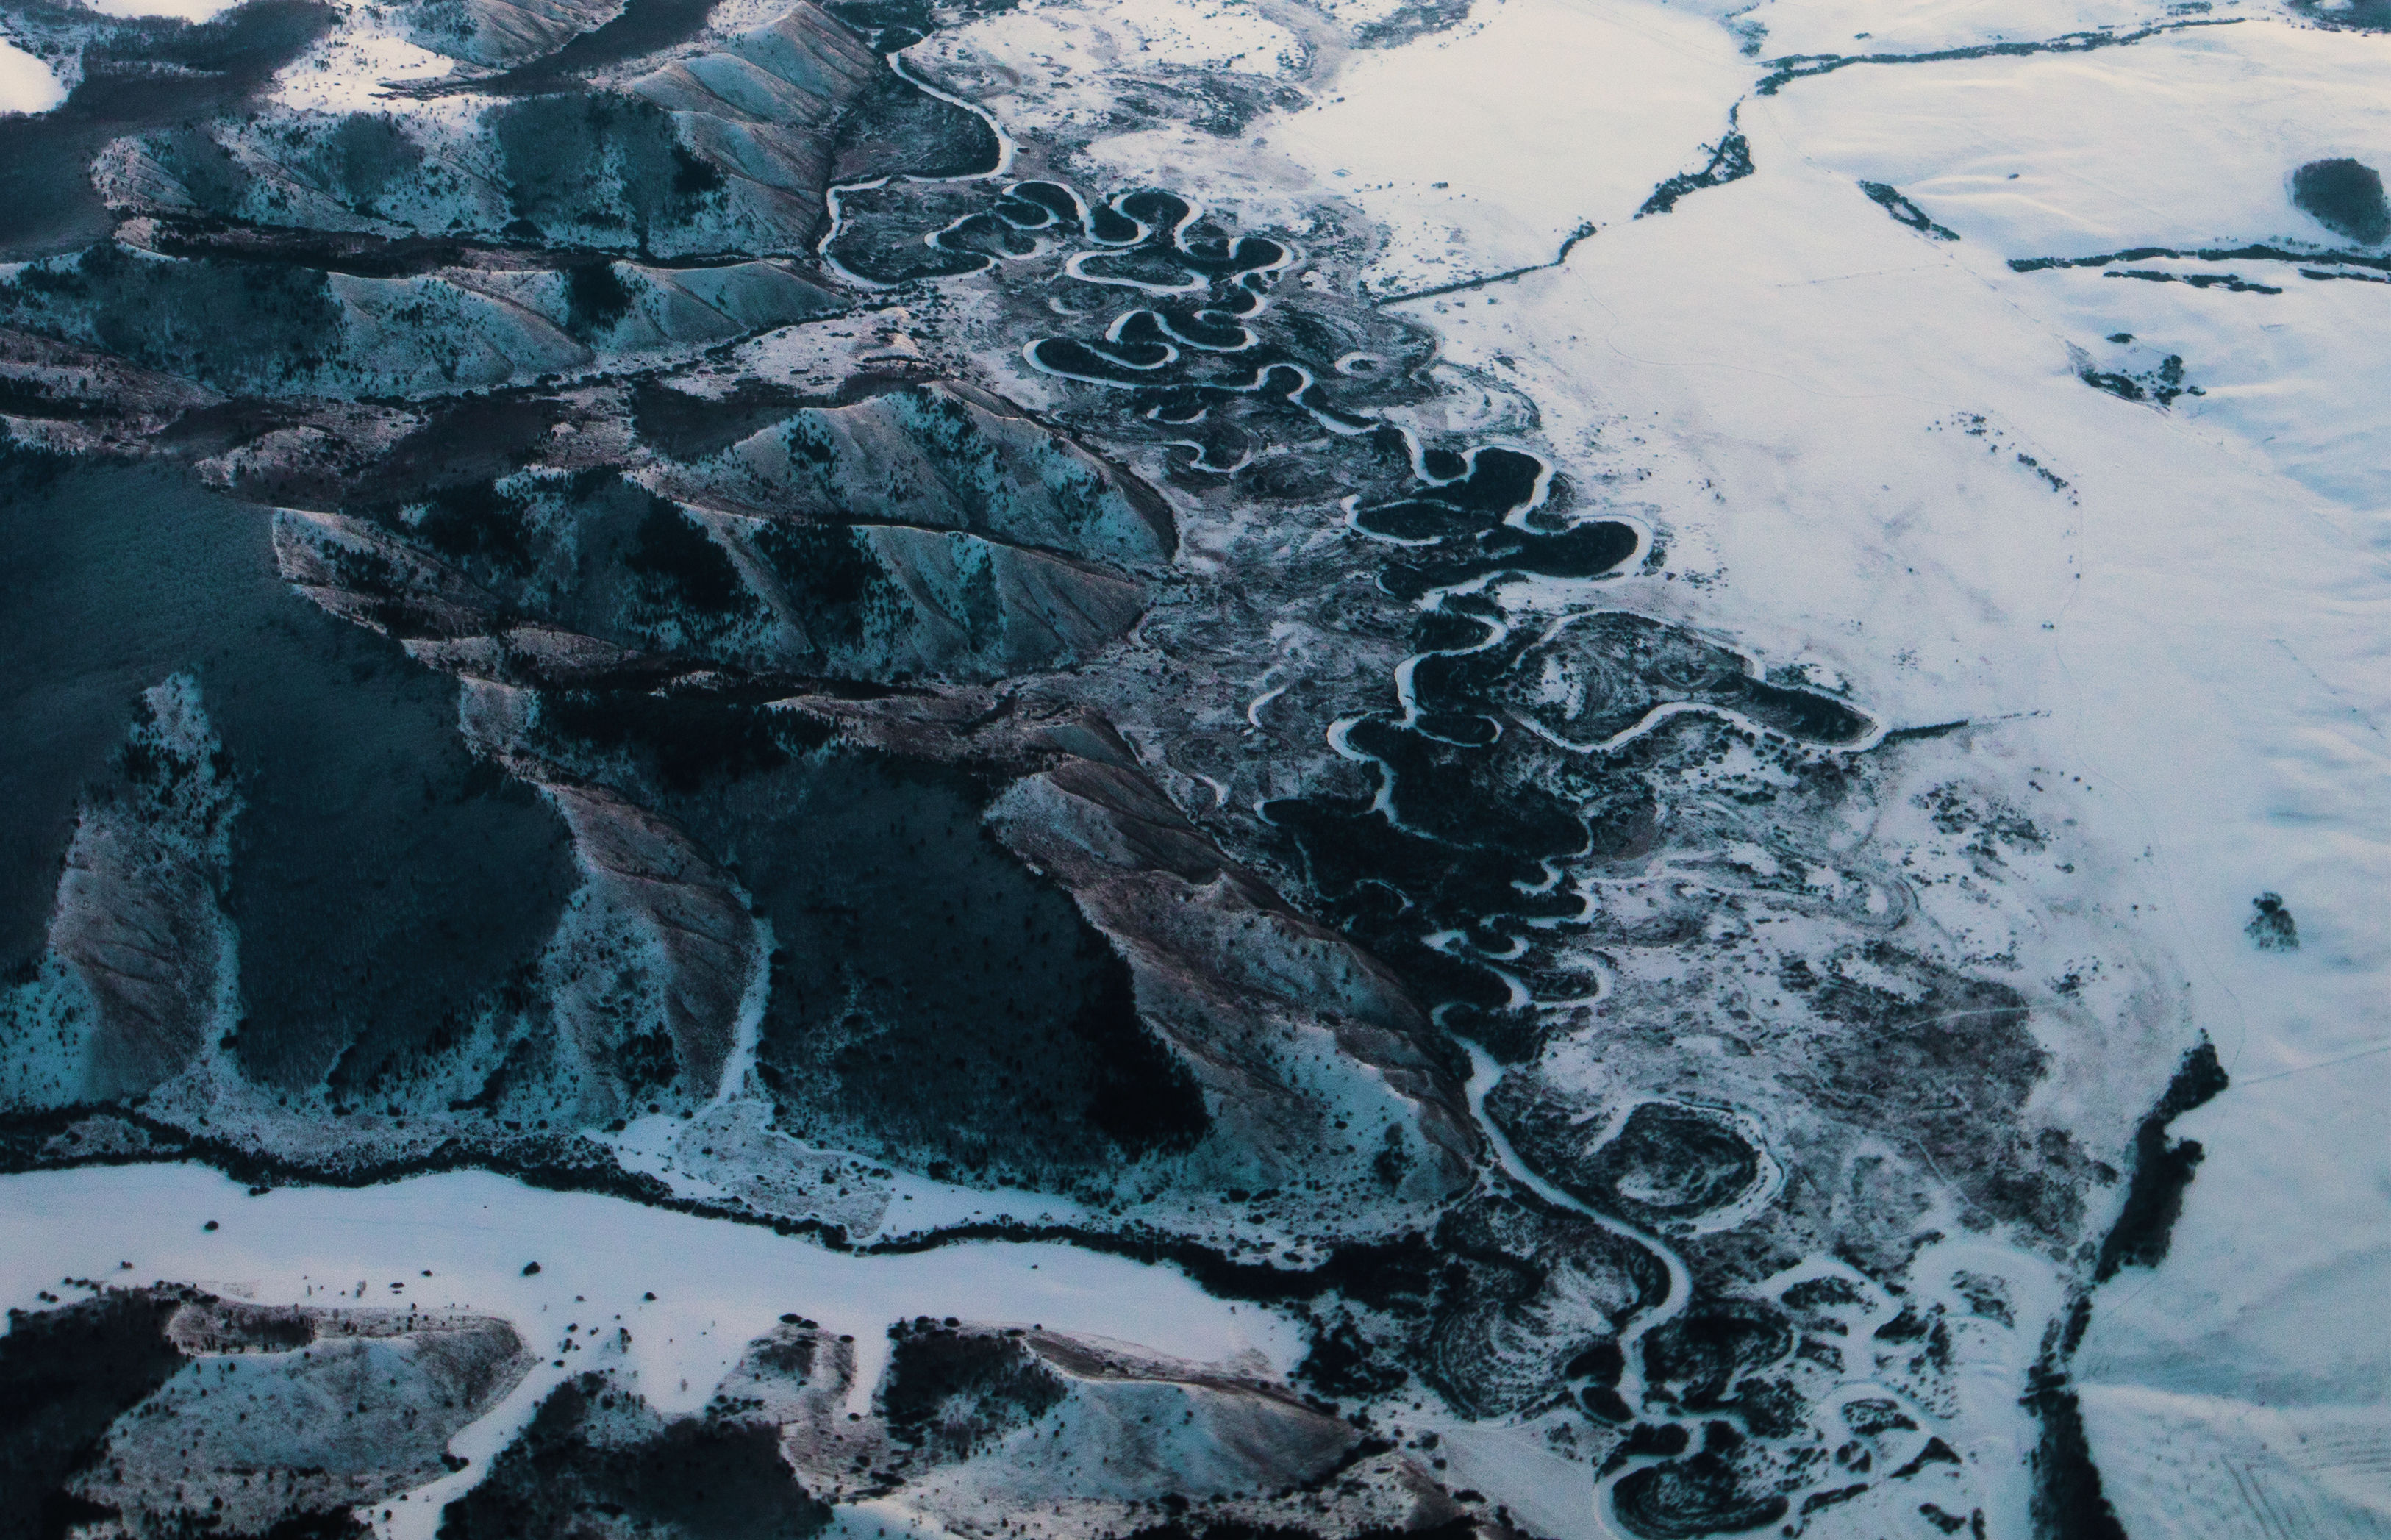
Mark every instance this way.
x=672 y=549
x=2346 y=197
x=65 y=1376
x=1460 y=843
x=474 y=520
x=834 y=575
x=2163 y=1169
x=1490 y=1347
x=882 y=238
x=2370 y=16
x=2272 y=927
x=895 y=126
x=384 y=881
x=931 y=994
x=952 y=1391
x=1666 y=1162
x=643 y=27
x=931 y=999
x=234 y=325
x=473 y=439
x=596 y=1462
x=1891 y=201
x=1683 y=1499
x=689 y=428
x=685 y=743
x=592 y=553
x=1988 y=825
x=1649 y=1438
x=1343 y=1362
x=595 y=298
x=368 y=154
x=224 y=425
x=2067 y=1501
x=892 y=26
x=653 y=576
x=2159 y=385
x=1469 y=820
x=608 y=168
x=2232 y=283
x=1413 y=18
x=356 y=253
x=1700 y=1357
x=140 y=74
x=2260 y=252
x=34 y=398
x=1729 y=161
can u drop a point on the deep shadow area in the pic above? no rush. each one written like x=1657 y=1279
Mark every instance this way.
x=894 y=25
x=932 y=989
x=2068 y=1502
x=933 y=1002
x=383 y=880
x=954 y=1391
x=689 y=428
x=65 y=1376
x=2163 y=1169
x=643 y=27
x=139 y=75
x=597 y=1462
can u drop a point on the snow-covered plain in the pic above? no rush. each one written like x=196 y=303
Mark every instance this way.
x=2189 y=640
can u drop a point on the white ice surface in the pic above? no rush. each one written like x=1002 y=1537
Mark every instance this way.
x=26 y=83
x=1485 y=148
x=718 y=1285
